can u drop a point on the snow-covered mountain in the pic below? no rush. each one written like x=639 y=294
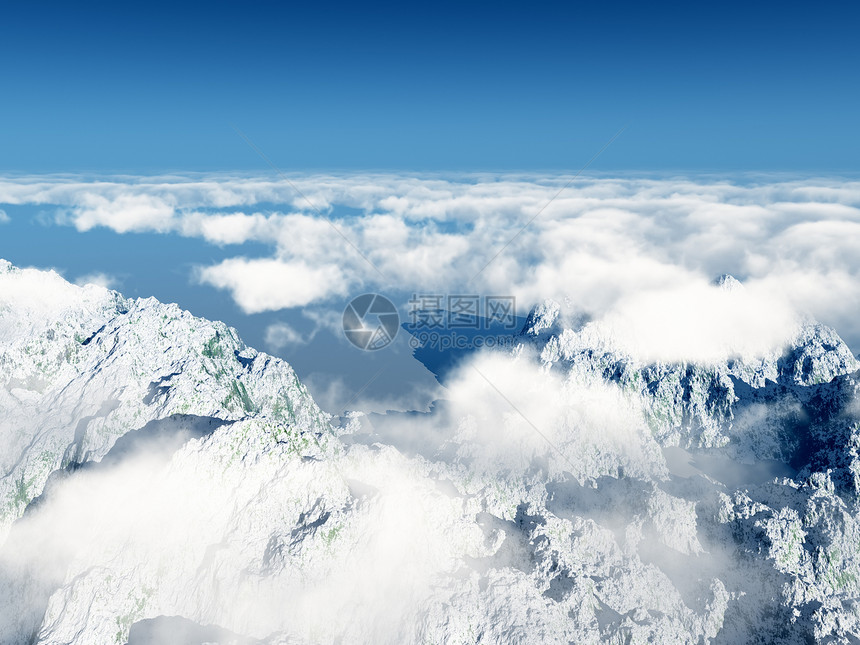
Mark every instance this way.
x=83 y=366
x=770 y=406
x=164 y=483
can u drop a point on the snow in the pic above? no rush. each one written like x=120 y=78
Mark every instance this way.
x=155 y=467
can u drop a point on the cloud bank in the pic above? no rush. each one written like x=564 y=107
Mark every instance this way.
x=636 y=253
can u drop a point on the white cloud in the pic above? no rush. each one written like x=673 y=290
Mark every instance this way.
x=126 y=213
x=603 y=242
x=331 y=320
x=99 y=279
x=280 y=335
x=700 y=323
x=259 y=285
x=3 y=216
x=231 y=228
x=333 y=394
x=500 y=413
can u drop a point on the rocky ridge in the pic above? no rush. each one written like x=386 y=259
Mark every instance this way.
x=157 y=469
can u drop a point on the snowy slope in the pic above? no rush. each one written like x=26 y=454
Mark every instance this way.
x=695 y=404
x=83 y=366
x=158 y=473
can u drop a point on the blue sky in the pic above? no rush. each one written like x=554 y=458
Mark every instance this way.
x=154 y=87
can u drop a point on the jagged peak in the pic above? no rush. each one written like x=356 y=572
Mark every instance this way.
x=111 y=365
x=542 y=317
x=727 y=282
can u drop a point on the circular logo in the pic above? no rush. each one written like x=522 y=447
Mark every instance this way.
x=370 y=321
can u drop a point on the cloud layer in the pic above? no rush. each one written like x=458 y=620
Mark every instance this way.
x=637 y=253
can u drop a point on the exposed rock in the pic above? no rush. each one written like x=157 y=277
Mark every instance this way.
x=174 y=479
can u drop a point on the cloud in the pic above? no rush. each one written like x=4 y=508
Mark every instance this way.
x=328 y=319
x=604 y=243
x=360 y=557
x=499 y=413
x=701 y=323
x=259 y=285
x=519 y=410
x=636 y=255
x=4 y=218
x=126 y=213
x=334 y=395
x=43 y=294
x=98 y=279
x=229 y=228
x=280 y=335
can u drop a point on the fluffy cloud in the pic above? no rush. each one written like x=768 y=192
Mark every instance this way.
x=126 y=213
x=281 y=335
x=637 y=253
x=3 y=216
x=259 y=285
x=701 y=323
x=228 y=228
x=98 y=279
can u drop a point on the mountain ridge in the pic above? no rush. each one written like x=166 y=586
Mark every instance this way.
x=544 y=506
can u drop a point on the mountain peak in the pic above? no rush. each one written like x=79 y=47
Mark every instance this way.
x=727 y=282
x=82 y=366
x=542 y=317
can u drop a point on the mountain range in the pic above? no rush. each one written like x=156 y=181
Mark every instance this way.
x=161 y=482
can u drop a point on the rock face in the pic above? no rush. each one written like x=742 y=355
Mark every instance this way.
x=164 y=483
x=82 y=367
x=707 y=406
x=793 y=412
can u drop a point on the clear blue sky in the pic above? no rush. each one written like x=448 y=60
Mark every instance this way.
x=133 y=87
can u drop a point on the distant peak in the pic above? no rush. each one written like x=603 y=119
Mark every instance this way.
x=727 y=282
x=542 y=317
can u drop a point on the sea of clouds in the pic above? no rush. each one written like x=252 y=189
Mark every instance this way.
x=636 y=254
